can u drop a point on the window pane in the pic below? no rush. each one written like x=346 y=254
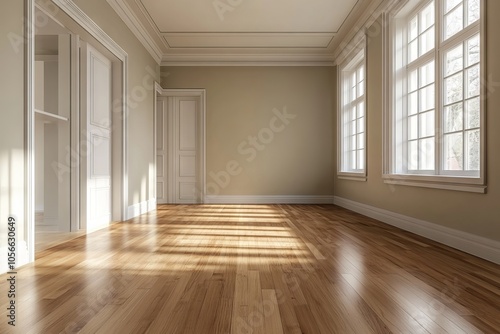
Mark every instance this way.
x=413 y=81
x=454 y=22
x=413 y=28
x=413 y=127
x=450 y=4
x=361 y=125
x=474 y=11
x=353 y=128
x=353 y=142
x=427 y=98
x=361 y=159
x=361 y=109
x=473 y=81
x=413 y=155
x=413 y=103
x=454 y=60
x=473 y=144
x=427 y=17
x=361 y=74
x=473 y=55
x=361 y=89
x=453 y=118
x=427 y=41
x=427 y=124
x=427 y=74
x=473 y=118
x=427 y=154
x=413 y=51
x=453 y=88
x=453 y=151
x=361 y=141
x=352 y=165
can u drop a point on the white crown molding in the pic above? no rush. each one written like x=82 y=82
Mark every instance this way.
x=132 y=21
x=352 y=33
x=268 y=199
x=248 y=60
x=484 y=248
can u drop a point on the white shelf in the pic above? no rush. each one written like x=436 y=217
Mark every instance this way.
x=47 y=116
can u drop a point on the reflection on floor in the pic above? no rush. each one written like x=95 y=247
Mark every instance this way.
x=47 y=239
x=255 y=269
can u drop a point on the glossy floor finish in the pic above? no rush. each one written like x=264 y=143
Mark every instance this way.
x=255 y=269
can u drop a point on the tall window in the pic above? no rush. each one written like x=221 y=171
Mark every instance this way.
x=352 y=118
x=436 y=110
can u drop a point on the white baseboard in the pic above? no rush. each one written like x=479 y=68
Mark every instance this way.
x=141 y=208
x=484 y=248
x=267 y=199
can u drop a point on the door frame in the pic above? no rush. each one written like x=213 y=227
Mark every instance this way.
x=201 y=93
x=120 y=113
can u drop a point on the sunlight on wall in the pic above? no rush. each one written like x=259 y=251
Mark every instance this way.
x=12 y=204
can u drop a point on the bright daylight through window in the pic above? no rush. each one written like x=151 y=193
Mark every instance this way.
x=352 y=139
x=435 y=105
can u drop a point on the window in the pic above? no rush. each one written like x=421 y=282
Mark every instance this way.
x=352 y=117
x=436 y=113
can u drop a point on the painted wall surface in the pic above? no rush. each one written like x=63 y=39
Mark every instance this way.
x=268 y=128
x=11 y=124
x=143 y=71
x=478 y=214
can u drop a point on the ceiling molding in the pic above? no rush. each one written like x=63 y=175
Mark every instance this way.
x=248 y=60
x=134 y=23
x=249 y=40
x=247 y=48
x=352 y=34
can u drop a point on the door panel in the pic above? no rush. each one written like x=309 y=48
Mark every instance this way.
x=178 y=160
x=96 y=120
x=161 y=151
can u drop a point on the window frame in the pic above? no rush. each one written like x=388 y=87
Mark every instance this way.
x=393 y=150
x=354 y=58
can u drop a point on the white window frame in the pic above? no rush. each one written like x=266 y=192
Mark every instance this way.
x=393 y=155
x=347 y=66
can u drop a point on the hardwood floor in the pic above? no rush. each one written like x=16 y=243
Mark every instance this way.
x=254 y=269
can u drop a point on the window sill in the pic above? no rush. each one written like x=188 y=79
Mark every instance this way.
x=360 y=177
x=473 y=185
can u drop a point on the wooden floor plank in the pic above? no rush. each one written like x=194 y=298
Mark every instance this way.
x=254 y=269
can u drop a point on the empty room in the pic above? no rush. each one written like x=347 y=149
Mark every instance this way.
x=233 y=166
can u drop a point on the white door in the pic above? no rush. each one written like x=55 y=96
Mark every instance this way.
x=161 y=150
x=179 y=160
x=96 y=150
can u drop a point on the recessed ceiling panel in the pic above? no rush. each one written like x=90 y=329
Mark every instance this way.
x=248 y=15
x=252 y=40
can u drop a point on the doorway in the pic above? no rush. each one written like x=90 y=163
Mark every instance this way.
x=180 y=146
x=79 y=134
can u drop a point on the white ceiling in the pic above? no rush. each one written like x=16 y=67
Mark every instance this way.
x=178 y=32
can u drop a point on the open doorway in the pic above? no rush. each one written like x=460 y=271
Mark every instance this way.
x=78 y=130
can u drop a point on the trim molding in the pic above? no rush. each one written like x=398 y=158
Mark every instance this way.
x=247 y=60
x=484 y=248
x=268 y=199
x=137 y=28
x=79 y=16
x=141 y=208
x=27 y=248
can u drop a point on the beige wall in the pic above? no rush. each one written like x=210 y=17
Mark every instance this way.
x=142 y=71
x=296 y=159
x=474 y=213
x=11 y=123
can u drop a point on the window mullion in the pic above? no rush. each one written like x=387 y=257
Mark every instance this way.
x=439 y=74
